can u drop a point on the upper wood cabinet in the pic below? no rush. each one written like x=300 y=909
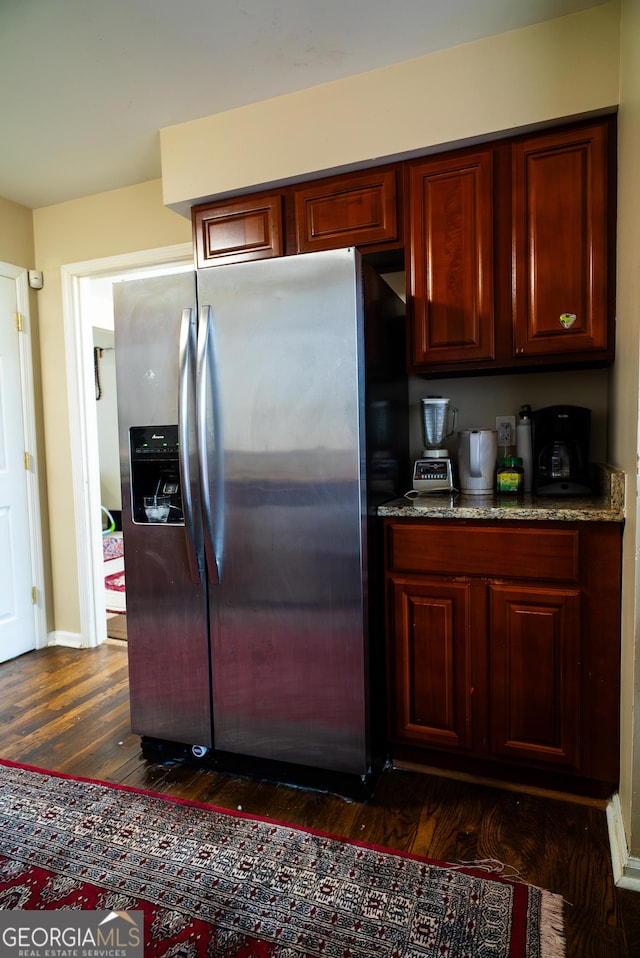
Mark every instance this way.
x=237 y=230
x=509 y=247
x=561 y=244
x=354 y=210
x=451 y=259
x=512 y=253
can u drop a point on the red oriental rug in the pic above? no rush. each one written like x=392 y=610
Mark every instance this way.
x=217 y=883
x=114 y=580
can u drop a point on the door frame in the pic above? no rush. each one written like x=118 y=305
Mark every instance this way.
x=85 y=469
x=27 y=398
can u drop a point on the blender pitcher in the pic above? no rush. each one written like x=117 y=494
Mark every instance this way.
x=439 y=420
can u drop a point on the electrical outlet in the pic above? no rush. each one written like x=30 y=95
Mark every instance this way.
x=506 y=428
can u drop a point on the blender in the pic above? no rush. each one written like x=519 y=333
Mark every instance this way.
x=433 y=473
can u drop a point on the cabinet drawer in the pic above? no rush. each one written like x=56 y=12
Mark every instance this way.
x=485 y=551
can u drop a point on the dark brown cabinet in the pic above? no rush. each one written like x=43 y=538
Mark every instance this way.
x=432 y=661
x=355 y=210
x=237 y=230
x=534 y=673
x=561 y=244
x=451 y=259
x=508 y=247
x=511 y=253
x=503 y=646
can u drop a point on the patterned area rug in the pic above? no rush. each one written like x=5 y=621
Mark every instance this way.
x=217 y=883
x=114 y=580
x=115 y=593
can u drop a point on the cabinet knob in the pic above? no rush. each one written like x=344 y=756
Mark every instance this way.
x=567 y=320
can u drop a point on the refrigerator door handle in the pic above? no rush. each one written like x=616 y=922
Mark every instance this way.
x=210 y=443
x=185 y=386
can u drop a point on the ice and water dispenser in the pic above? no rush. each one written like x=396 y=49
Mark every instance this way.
x=155 y=475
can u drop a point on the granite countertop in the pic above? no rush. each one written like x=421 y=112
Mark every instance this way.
x=607 y=506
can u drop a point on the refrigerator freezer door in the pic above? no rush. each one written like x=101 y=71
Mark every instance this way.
x=288 y=642
x=166 y=610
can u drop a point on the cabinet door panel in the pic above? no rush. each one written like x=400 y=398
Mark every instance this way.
x=239 y=230
x=560 y=243
x=535 y=674
x=431 y=698
x=451 y=216
x=353 y=210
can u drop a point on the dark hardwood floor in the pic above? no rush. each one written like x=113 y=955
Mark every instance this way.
x=67 y=710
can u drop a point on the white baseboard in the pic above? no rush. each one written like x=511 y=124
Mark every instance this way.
x=626 y=868
x=631 y=877
x=72 y=640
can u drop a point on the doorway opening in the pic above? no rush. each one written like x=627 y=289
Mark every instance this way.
x=88 y=316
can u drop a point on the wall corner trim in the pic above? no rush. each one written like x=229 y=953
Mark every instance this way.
x=626 y=869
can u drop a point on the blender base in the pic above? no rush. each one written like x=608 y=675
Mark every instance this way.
x=432 y=475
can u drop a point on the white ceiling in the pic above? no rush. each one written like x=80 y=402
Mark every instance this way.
x=87 y=84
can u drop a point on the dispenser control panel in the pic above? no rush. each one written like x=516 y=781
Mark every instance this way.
x=154 y=441
x=155 y=475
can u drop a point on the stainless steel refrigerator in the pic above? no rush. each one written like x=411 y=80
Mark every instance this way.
x=262 y=416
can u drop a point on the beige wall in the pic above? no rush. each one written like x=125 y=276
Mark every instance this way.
x=16 y=234
x=107 y=224
x=624 y=402
x=559 y=68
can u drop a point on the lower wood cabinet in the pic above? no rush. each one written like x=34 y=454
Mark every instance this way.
x=534 y=673
x=503 y=647
x=431 y=661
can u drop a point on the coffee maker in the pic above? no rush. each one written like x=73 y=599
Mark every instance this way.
x=561 y=436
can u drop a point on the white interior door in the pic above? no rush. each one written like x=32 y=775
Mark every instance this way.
x=17 y=620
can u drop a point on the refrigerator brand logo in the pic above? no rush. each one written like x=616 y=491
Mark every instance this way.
x=157 y=437
x=71 y=932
